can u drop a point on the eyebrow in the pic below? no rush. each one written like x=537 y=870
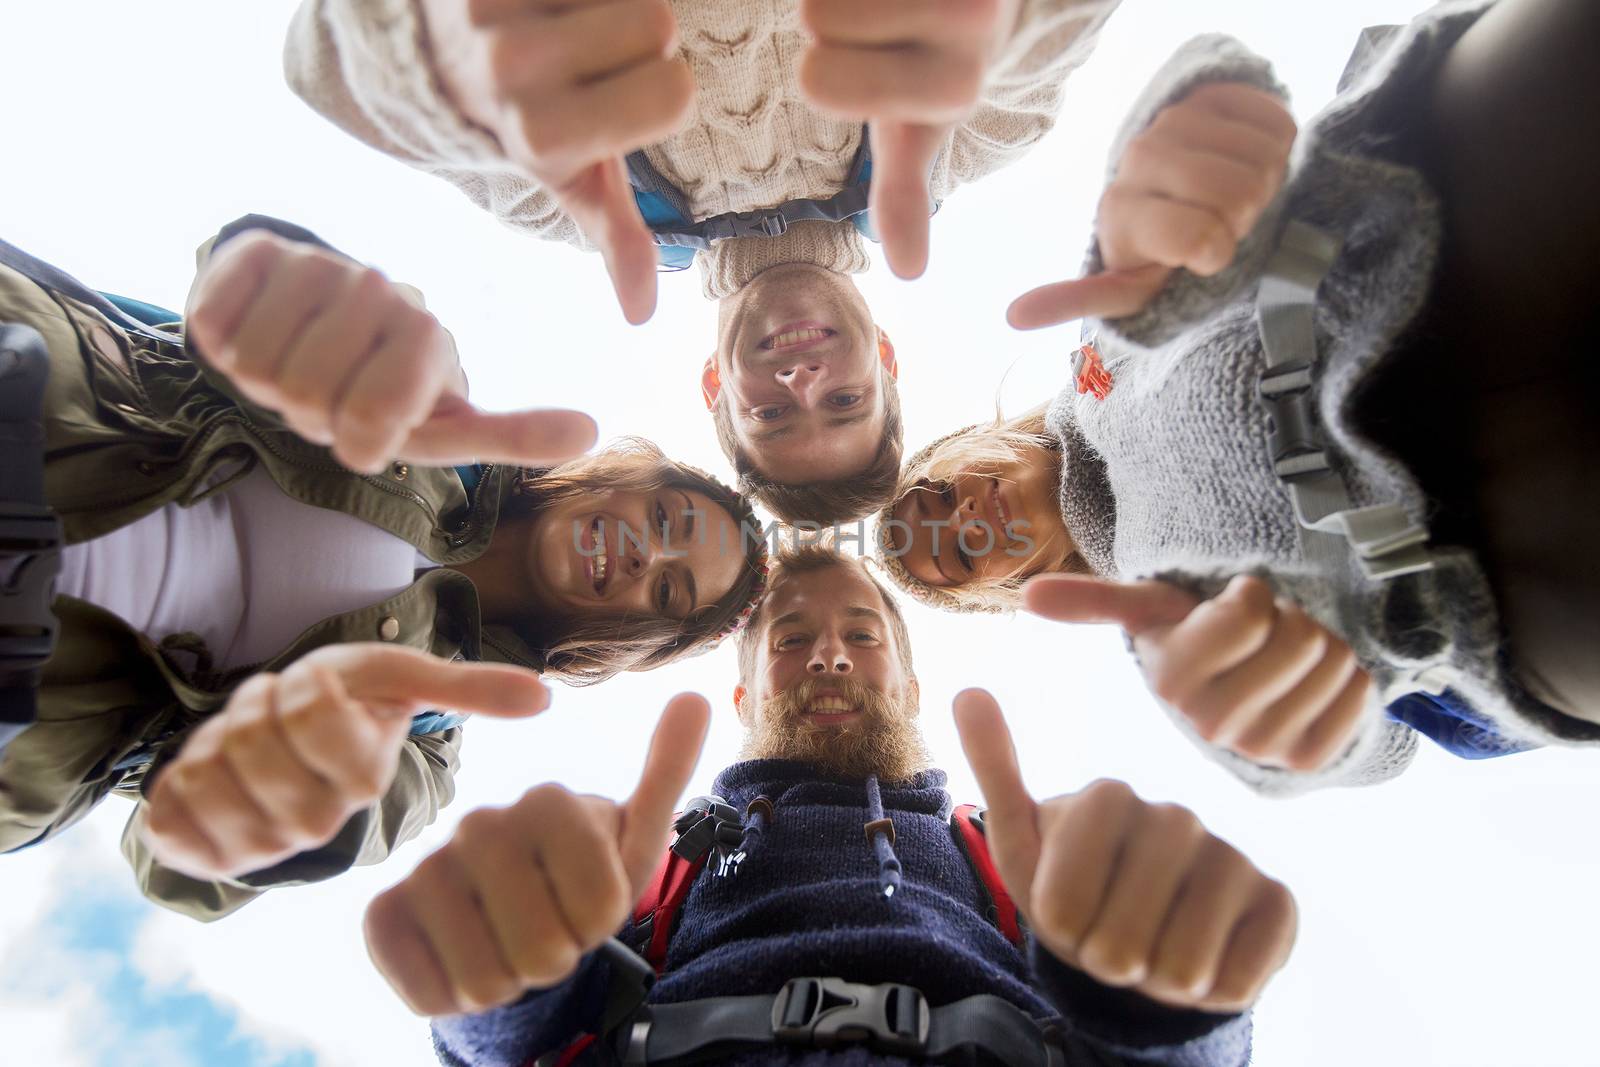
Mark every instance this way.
x=785 y=431
x=853 y=612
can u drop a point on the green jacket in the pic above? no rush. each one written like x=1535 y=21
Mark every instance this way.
x=133 y=423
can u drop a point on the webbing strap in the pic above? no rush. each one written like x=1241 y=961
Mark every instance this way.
x=30 y=533
x=967 y=824
x=698 y=1031
x=1383 y=538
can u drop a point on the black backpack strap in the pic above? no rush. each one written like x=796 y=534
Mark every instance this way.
x=30 y=533
x=891 y=1019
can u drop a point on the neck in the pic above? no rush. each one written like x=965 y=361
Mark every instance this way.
x=500 y=575
x=730 y=265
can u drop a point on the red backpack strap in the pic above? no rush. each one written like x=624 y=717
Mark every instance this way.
x=657 y=908
x=967 y=824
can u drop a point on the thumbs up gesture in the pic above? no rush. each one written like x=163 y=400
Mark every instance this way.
x=913 y=70
x=569 y=88
x=347 y=359
x=292 y=756
x=521 y=893
x=1135 y=895
x=1252 y=673
x=1188 y=189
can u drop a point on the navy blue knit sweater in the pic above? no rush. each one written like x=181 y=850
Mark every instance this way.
x=807 y=901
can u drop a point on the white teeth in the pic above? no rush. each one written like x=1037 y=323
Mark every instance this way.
x=600 y=554
x=795 y=337
x=829 y=706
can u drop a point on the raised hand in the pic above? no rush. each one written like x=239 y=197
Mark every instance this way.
x=292 y=756
x=1135 y=895
x=1187 y=190
x=520 y=894
x=570 y=87
x=349 y=361
x=913 y=68
x=1253 y=673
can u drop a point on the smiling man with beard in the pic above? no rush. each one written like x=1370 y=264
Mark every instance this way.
x=844 y=922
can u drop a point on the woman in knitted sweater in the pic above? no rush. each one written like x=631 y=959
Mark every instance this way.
x=530 y=107
x=1280 y=410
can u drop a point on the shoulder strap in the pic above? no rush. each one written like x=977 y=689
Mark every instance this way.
x=657 y=909
x=967 y=824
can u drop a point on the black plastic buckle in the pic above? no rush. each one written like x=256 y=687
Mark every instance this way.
x=30 y=559
x=1292 y=442
x=828 y=1012
x=758 y=224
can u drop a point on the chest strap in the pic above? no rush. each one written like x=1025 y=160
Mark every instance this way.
x=30 y=533
x=826 y=1013
x=1384 y=540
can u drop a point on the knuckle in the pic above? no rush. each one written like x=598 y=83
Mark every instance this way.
x=1176 y=820
x=1168 y=683
x=482 y=991
x=1110 y=791
x=657 y=25
x=547 y=797
x=546 y=962
x=1112 y=963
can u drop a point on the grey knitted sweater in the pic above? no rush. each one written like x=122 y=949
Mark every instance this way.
x=1169 y=475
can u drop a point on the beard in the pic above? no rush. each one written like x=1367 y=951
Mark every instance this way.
x=883 y=739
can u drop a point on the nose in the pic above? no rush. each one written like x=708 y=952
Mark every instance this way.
x=639 y=554
x=829 y=655
x=805 y=380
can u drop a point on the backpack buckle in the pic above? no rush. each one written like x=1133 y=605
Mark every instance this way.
x=758 y=223
x=30 y=559
x=828 y=1012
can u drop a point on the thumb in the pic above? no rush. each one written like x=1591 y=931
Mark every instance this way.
x=1107 y=295
x=902 y=157
x=395 y=680
x=601 y=202
x=1135 y=606
x=464 y=434
x=1012 y=821
x=647 y=814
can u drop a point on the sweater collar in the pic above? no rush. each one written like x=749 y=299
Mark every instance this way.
x=729 y=265
x=742 y=782
x=1088 y=507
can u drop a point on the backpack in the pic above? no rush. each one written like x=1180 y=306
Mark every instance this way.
x=678 y=235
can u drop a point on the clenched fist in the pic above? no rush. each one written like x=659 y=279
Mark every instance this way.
x=570 y=87
x=1187 y=190
x=1135 y=895
x=292 y=756
x=1252 y=672
x=520 y=894
x=349 y=361
x=912 y=68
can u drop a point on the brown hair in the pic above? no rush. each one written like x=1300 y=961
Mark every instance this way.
x=824 y=503
x=992 y=444
x=586 y=649
x=808 y=556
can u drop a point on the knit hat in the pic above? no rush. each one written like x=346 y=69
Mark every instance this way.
x=894 y=567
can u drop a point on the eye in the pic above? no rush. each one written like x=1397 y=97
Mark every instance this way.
x=663 y=595
x=791 y=641
x=845 y=400
x=948 y=495
x=770 y=412
x=864 y=636
x=661 y=519
x=964 y=559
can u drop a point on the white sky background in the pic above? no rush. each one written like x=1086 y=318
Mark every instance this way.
x=1445 y=918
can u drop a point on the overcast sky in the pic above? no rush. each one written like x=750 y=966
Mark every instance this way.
x=1446 y=918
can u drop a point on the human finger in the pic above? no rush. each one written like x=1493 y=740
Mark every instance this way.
x=1138 y=228
x=1278 y=728
x=1135 y=606
x=668 y=767
x=1107 y=295
x=465 y=434
x=1232 y=702
x=903 y=155
x=1011 y=821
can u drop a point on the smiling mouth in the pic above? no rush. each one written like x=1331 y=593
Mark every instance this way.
x=831 y=708
x=1000 y=506
x=796 y=335
x=599 y=562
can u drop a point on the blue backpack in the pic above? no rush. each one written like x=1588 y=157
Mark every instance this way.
x=678 y=235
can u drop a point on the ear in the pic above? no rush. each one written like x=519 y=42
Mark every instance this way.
x=914 y=691
x=710 y=382
x=738 y=701
x=886 y=355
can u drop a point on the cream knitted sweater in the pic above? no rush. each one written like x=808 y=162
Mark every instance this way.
x=752 y=142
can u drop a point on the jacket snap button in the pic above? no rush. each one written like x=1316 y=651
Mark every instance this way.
x=389 y=628
x=128 y=409
x=400 y=470
x=144 y=466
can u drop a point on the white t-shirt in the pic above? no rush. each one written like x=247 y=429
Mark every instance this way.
x=248 y=570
